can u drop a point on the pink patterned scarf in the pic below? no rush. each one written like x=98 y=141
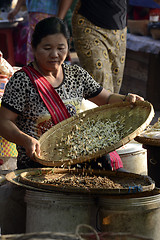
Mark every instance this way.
x=48 y=94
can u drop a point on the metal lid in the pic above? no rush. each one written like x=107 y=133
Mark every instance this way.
x=131 y=147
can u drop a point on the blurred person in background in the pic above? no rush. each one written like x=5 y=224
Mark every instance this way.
x=99 y=35
x=68 y=19
x=38 y=10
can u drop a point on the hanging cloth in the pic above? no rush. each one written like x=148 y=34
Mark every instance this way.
x=48 y=94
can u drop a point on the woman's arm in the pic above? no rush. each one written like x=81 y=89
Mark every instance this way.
x=12 y=133
x=105 y=97
x=64 y=5
x=14 y=11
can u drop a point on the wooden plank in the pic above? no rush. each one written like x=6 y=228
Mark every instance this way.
x=135 y=73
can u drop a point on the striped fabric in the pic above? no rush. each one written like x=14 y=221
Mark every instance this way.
x=116 y=161
x=48 y=94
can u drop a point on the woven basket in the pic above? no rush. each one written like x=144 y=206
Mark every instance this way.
x=129 y=182
x=135 y=116
x=148 y=141
x=94 y=235
x=113 y=236
x=40 y=236
x=91 y=234
x=80 y=236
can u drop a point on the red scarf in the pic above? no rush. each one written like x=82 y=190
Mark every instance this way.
x=48 y=94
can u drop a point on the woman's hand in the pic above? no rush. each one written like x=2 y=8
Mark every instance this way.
x=11 y=15
x=14 y=11
x=32 y=146
x=130 y=97
x=105 y=97
x=133 y=98
x=12 y=133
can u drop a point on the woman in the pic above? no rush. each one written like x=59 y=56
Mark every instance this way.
x=28 y=111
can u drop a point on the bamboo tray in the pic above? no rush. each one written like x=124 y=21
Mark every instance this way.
x=151 y=136
x=40 y=236
x=148 y=141
x=101 y=182
x=77 y=236
x=134 y=117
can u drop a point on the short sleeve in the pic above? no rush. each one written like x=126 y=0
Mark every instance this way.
x=91 y=87
x=15 y=92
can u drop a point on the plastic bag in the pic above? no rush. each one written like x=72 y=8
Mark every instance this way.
x=5 y=67
x=3 y=82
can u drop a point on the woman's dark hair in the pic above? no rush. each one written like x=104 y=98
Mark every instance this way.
x=48 y=26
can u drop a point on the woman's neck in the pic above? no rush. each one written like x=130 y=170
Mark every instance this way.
x=55 y=79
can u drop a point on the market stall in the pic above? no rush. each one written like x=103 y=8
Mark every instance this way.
x=59 y=198
x=62 y=196
x=141 y=74
x=150 y=139
x=13 y=33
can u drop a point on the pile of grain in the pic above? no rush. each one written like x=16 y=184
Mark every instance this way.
x=92 y=136
x=88 y=181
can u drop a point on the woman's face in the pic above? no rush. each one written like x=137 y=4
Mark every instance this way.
x=51 y=52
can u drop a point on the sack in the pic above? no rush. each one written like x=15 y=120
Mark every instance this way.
x=5 y=67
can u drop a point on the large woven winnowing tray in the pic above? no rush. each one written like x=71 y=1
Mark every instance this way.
x=130 y=120
x=86 y=181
